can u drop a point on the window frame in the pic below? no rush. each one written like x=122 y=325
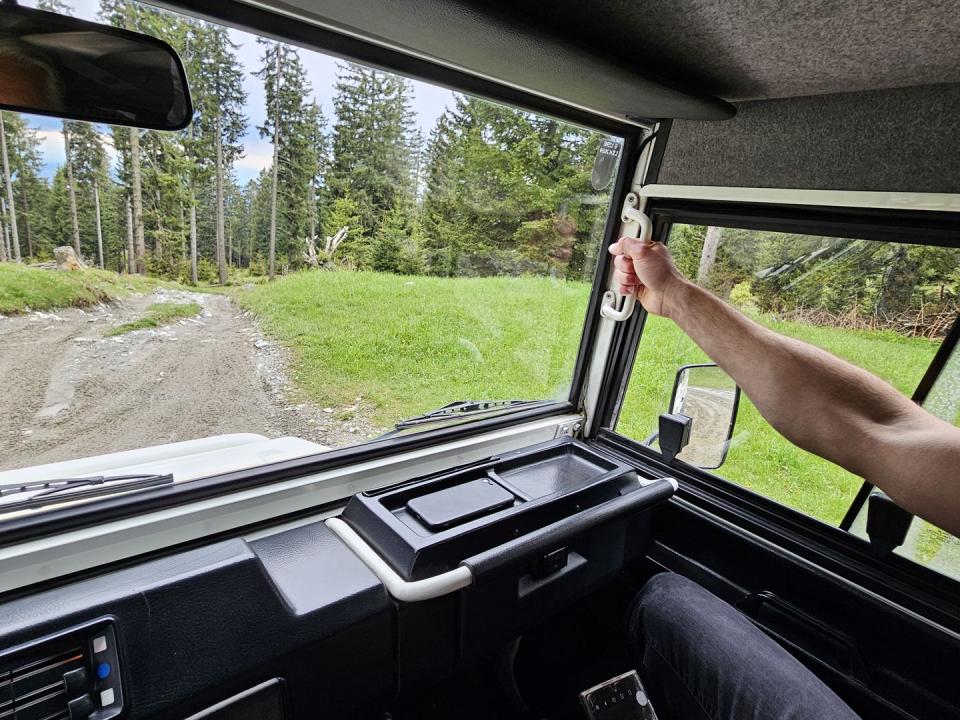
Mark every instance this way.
x=908 y=583
x=264 y=23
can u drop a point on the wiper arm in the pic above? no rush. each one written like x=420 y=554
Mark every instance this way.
x=47 y=492
x=463 y=407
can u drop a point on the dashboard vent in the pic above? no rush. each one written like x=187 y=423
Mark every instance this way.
x=69 y=676
x=35 y=689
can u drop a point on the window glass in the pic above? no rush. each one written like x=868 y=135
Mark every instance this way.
x=926 y=543
x=327 y=250
x=882 y=306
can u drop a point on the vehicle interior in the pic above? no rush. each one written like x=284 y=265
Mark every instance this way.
x=483 y=568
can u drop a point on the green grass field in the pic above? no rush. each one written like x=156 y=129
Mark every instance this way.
x=759 y=457
x=23 y=287
x=161 y=313
x=409 y=345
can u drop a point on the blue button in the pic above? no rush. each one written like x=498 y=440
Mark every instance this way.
x=103 y=671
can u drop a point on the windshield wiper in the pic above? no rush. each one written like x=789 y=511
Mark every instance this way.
x=48 y=492
x=461 y=408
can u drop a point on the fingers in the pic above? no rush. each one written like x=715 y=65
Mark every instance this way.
x=631 y=247
x=626 y=283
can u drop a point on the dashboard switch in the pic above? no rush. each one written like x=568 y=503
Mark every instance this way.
x=80 y=708
x=76 y=681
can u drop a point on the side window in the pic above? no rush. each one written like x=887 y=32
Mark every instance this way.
x=880 y=305
x=926 y=543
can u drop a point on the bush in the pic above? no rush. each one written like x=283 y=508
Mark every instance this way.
x=742 y=297
x=207 y=272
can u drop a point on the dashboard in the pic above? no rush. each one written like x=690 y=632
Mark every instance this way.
x=316 y=616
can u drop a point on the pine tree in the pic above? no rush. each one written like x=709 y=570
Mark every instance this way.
x=56 y=6
x=498 y=180
x=30 y=188
x=8 y=183
x=214 y=139
x=89 y=170
x=287 y=124
x=71 y=186
x=371 y=149
x=132 y=16
x=316 y=124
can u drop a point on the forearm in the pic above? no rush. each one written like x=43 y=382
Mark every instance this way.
x=817 y=401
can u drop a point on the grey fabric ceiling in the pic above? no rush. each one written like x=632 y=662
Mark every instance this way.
x=751 y=49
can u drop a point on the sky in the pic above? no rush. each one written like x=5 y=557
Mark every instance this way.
x=429 y=101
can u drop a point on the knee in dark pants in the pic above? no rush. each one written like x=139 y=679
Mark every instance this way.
x=701 y=658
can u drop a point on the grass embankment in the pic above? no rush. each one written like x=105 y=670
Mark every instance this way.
x=408 y=345
x=25 y=288
x=161 y=313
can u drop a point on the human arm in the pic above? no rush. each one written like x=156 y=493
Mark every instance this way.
x=817 y=401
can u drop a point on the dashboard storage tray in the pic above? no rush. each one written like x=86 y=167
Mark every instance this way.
x=428 y=525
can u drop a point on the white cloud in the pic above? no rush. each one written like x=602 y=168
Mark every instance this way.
x=257 y=155
x=51 y=145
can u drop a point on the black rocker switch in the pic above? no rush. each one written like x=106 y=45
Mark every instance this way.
x=81 y=708
x=548 y=564
x=77 y=681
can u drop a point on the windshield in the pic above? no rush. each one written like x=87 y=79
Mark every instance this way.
x=328 y=250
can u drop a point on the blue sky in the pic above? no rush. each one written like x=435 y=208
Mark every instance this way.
x=429 y=101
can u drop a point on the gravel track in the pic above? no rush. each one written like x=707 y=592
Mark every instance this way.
x=68 y=391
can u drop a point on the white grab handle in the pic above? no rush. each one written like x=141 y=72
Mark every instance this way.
x=403 y=590
x=630 y=214
x=609 y=304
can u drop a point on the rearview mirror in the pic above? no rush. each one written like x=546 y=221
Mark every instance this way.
x=68 y=68
x=710 y=398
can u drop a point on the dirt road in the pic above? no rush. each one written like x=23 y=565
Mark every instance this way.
x=69 y=391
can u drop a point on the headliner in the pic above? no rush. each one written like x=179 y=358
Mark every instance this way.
x=752 y=49
x=682 y=59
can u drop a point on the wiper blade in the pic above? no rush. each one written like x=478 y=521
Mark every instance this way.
x=48 y=492
x=463 y=407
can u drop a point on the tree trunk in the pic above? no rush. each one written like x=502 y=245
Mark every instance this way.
x=221 y=239
x=3 y=231
x=71 y=191
x=193 y=238
x=709 y=254
x=136 y=191
x=273 y=191
x=25 y=204
x=273 y=210
x=14 y=237
x=158 y=239
x=131 y=252
x=96 y=209
x=313 y=213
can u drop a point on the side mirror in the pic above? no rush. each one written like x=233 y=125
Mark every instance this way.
x=55 y=65
x=710 y=398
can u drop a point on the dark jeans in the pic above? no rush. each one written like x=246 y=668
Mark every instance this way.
x=701 y=658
